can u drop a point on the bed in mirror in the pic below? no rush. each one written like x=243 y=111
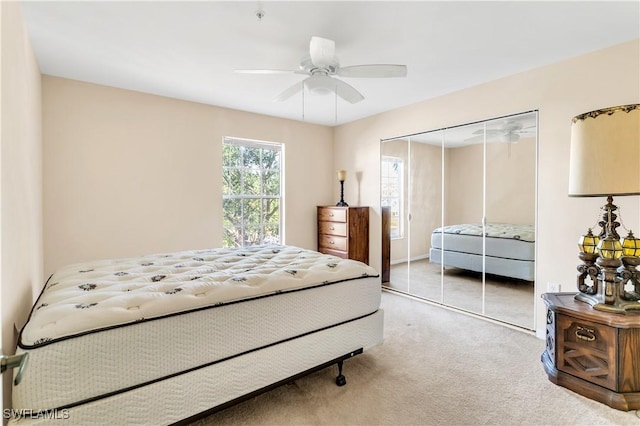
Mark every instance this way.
x=462 y=207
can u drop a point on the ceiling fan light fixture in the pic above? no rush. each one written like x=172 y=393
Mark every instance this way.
x=320 y=85
x=509 y=137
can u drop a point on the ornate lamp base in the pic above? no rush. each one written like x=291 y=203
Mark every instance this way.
x=608 y=292
x=609 y=269
x=618 y=307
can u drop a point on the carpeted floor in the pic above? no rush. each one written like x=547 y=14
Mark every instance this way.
x=435 y=367
x=505 y=299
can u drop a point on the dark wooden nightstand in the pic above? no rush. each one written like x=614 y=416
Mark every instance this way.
x=344 y=232
x=593 y=353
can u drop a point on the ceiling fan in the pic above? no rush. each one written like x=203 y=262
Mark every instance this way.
x=510 y=131
x=322 y=66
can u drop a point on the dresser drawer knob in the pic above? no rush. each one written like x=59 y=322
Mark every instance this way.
x=586 y=334
x=331 y=228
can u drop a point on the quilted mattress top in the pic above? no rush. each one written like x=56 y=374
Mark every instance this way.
x=494 y=230
x=89 y=296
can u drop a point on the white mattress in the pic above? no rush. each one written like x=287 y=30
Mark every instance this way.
x=503 y=240
x=86 y=344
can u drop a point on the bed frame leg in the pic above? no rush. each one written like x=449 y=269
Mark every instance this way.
x=340 y=380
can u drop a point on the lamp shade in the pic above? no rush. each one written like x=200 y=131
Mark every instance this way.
x=605 y=152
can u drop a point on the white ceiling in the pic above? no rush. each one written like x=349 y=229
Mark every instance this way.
x=189 y=50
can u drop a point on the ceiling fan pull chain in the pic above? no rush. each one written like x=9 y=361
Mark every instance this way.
x=336 y=105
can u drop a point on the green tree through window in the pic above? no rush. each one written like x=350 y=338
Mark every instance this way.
x=251 y=192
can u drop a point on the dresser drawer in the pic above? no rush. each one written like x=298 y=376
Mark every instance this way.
x=586 y=350
x=344 y=232
x=333 y=214
x=332 y=242
x=338 y=253
x=333 y=228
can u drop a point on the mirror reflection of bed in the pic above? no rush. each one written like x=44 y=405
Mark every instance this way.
x=462 y=205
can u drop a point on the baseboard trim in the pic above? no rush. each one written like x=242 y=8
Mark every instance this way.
x=413 y=259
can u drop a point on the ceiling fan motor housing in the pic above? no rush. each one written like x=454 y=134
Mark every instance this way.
x=307 y=66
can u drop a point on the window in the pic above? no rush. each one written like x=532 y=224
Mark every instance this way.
x=391 y=175
x=251 y=192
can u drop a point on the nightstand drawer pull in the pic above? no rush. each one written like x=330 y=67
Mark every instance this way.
x=584 y=333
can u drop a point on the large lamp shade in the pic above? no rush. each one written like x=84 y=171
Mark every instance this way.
x=605 y=152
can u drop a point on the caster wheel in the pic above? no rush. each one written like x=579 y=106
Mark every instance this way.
x=341 y=380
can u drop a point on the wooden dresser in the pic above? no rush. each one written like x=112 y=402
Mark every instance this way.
x=593 y=353
x=344 y=232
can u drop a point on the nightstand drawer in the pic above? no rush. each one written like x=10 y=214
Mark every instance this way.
x=586 y=350
x=334 y=243
x=332 y=214
x=333 y=228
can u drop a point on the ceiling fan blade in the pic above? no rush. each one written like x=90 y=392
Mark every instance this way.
x=373 y=71
x=493 y=137
x=322 y=51
x=490 y=132
x=347 y=92
x=474 y=139
x=289 y=92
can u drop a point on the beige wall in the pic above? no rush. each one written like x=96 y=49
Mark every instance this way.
x=426 y=196
x=560 y=91
x=21 y=178
x=127 y=173
x=510 y=183
x=463 y=185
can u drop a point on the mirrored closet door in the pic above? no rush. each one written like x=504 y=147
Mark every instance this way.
x=462 y=208
x=394 y=158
